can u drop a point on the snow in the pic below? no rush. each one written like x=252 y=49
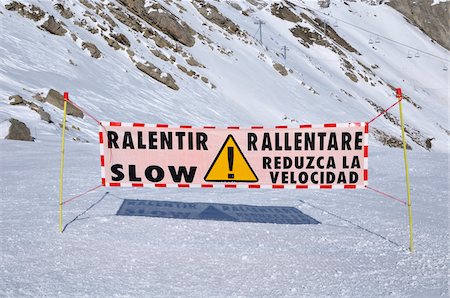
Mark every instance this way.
x=247 y=84
x=359 y=249
x=439 y=1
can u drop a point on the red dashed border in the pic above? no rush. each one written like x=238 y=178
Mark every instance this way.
x=233 y=185
x=161 y=125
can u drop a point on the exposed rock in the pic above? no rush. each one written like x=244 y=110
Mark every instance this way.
x=351 y=76
x=159 y=54
x=415 y=135
x=235 y=5
x=388 y=140
x=16 y=100
x=280 y=68
x=32 y=12
x=331 y=33
x=212 y=14
x=44 y=115
x=428 y=143
x=65 y=12
x=107 y=18
x=284 y=13
x=163 y=20
x=157 y=74
x=308 y=37
x=258 y=3
x=112 y=43
x=432 y=19
x=19 y=131
x=57 y=99
x=87 y=3
x=168 y=24
x=121 y=38
x=54 y=27
x=161 y=42
x=39 y=97
x=125 y=18
x=192 y=62
x=130 y=53
x=205 y=80
x=182 y=68
x=92 y=48
x=324 y=3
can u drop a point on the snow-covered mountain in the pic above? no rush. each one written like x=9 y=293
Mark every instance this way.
x=221 y=63
x=202 y=62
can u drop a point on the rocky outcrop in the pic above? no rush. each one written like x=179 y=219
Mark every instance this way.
x=16 y=100
x=19 y=131
x=307 y=36
x=168 y=24
x=112 y=43
x=53 y=27
x=92 y=48
x=43 y=114
x=125 y=18
x=122 y=39
x=31 y=12
x=55 y=98
x=432 y=19
x=284 y=13
x=280 y=68
x=163 y=20
x=212 y=14
x=388 y=140
x=193 y=62
x=65 y=12
x=324 y=3
x=156 y=73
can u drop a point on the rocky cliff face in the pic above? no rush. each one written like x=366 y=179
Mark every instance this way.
x=432 y=19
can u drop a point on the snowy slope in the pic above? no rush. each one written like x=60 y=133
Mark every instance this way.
x=359 y=249
x=249 y=90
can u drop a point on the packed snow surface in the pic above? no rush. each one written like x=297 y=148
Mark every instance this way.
x=360 y=247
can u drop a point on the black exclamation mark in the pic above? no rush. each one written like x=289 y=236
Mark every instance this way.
x=230 y=162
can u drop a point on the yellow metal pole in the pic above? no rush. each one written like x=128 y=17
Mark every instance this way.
x=408 y=191
x=61 y=170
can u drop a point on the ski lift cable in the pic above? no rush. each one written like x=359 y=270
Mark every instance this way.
x=371 y=32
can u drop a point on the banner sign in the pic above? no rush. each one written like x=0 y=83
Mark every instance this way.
x=307 y=156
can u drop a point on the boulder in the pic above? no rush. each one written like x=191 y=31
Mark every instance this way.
x=63 y=11
x=19 y=131
x=280 y=68
x=112 y=43
x=92 y=48
x=156 y=73
x=121 y=38
x=32 y=12
x=44 y=115
x=53 y=27
x=168 y=24
x=284 y=13
x=162 y=19
x=16 y=100
x=235 y=5
x=55 y=98
x=324 y=3
x=212 y=14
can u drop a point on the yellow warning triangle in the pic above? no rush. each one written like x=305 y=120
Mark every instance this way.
x=230 y=165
